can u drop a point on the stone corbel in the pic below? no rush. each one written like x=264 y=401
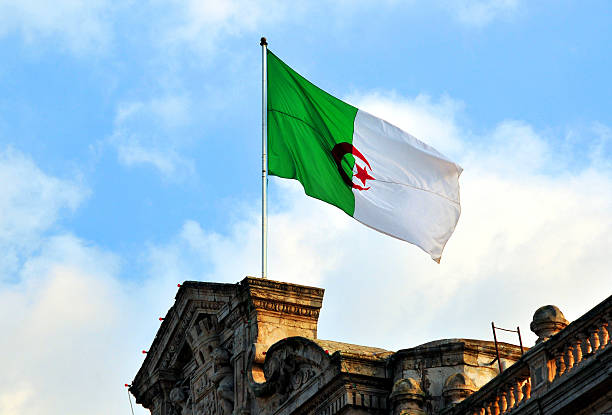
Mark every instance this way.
x=288 y=365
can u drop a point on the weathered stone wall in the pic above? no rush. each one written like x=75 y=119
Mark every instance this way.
x=450 y=370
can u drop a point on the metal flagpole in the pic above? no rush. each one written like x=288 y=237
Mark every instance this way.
x=264 y=158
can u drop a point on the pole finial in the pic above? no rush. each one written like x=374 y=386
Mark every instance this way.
x=263 y=42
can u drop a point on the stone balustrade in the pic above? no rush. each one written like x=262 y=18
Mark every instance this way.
x=544 y=367
x=503 y=394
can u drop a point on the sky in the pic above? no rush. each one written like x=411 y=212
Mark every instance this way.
x=130 y=151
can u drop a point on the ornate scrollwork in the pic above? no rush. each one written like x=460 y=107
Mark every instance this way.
x=290 y=364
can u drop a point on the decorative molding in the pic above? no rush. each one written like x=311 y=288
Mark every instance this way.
x=346 y=391
x=323 y=399
x=238 y=313
x=299 y=290
x=286 y=308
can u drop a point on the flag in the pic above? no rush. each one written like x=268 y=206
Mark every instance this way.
x=380 y=175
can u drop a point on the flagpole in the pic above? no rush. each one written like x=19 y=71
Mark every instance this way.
x=264 y=158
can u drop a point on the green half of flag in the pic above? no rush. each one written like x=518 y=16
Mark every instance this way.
x=305 y=123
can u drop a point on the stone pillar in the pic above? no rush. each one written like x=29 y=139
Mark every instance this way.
x=547 y=321
x=279 y=310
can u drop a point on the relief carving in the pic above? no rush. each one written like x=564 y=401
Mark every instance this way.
x=202 y=384
x=286 y=308
x=180 y=400
x=223 y=379
x=290 y=364
x=208 y=405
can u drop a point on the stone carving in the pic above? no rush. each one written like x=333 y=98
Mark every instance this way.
x=171 y=354
x=407 y=397
x=203 y=327
x=457 y=387
x=180 y=400
x=286 y=308
x=290 y=364
x=209 y=405
x=300 y=290
x=202 y=384
x=290 y=373
x=223 y=380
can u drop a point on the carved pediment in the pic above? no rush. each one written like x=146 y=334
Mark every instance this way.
x=173 y=353
x=290 y=365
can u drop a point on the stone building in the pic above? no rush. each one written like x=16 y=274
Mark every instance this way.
x=252 y=348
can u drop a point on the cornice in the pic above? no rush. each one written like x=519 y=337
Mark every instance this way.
x=285 y=308
x=434 y=352
x=285 y=287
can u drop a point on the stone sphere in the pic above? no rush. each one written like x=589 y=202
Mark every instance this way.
x=547 y=321
x=548 y=313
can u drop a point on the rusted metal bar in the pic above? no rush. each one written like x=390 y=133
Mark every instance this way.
x=496 y=348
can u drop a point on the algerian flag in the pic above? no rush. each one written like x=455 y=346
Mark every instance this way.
x=375 y=172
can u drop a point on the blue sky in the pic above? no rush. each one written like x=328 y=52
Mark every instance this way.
x=130 y=144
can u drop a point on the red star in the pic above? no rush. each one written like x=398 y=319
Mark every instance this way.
x=362 y=174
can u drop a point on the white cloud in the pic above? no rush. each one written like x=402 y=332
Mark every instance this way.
x=30 y=202
x=79 y=25
x=71 y=331
x=169 y=163
x=526 y=238
x=601 y=150
x=89 y=26
x=512 y=148
x=199 y=255
x=15 y=398
x=151 y=133
x=202 y=24
x=479 y=13
x=165 y=112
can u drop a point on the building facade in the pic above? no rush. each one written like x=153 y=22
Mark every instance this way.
x=252 y=348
